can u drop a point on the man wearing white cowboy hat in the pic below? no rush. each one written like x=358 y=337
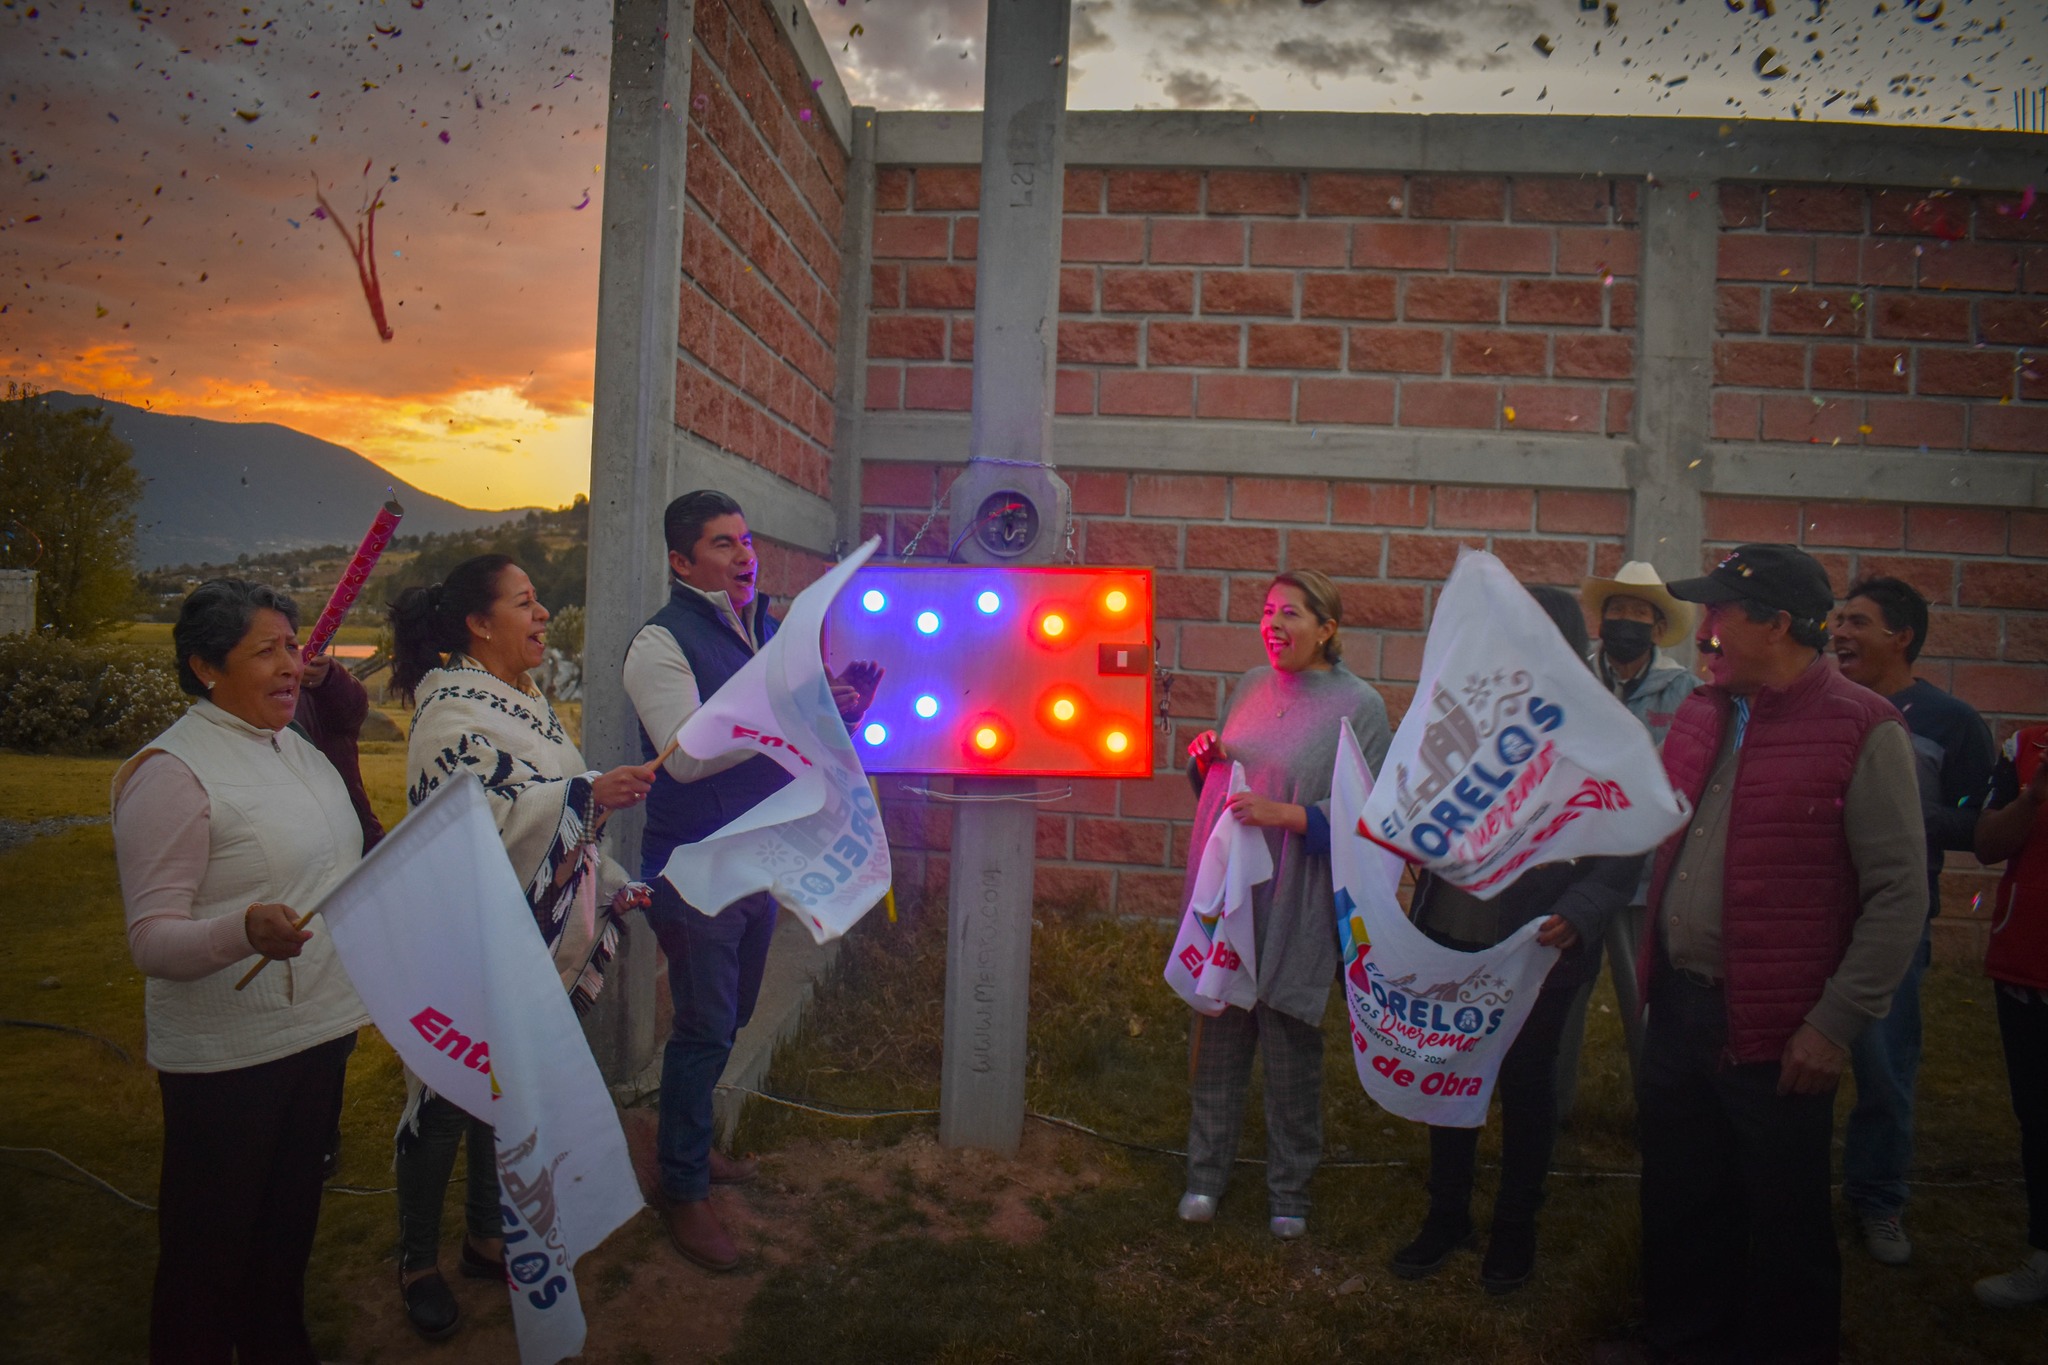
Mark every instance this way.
x=1638 y=620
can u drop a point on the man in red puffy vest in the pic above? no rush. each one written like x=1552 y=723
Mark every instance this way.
x=1785 y=913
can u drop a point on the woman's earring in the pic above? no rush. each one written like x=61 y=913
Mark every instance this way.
x=209 y=683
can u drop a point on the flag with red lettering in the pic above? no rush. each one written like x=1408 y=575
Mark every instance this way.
x=1215 y=963
x=436 y=934
x=816 y=843
x=1429 y=1025
x=1512 y=754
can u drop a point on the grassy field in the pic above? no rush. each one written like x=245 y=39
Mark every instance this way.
x=903 y=1252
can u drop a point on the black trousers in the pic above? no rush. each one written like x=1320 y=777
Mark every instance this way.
x=1739 y=1254
x=1527 y=1090
x=237 y=1203
x=2023 y=1028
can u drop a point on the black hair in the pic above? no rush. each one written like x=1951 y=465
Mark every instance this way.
x=215 y=617
x=682 y=524
x=1564 y=608
x=1901 y=604
x=1805 y=630
x=428 y=624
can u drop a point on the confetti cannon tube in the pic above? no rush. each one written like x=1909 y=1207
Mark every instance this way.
x=353 y=578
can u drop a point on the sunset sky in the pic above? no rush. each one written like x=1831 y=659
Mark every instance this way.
x=158 y=243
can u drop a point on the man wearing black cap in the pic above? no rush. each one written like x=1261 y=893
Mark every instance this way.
x=1785 y=913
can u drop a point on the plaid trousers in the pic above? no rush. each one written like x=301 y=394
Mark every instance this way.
x=1220 y=1066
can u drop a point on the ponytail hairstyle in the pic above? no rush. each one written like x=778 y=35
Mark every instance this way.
x=1323 y=600
x=428 y=624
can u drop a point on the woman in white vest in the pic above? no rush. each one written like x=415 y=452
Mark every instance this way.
x=226 y=826
x=461 y=652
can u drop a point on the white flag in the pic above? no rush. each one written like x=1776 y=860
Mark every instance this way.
x=438 y=939
x=1513 y=754
x=815 y=844
x=1429 y=1025
x=1214 y=963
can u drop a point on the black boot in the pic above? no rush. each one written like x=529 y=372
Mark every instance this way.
x=430 y=1307
x=1443 y=1235
x=1510 y=1256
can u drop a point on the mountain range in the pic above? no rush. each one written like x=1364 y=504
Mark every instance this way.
x=216 y=490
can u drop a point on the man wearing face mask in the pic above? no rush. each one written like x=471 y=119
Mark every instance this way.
x=1639 y=620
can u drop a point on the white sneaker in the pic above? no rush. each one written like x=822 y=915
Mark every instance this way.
x=1886 y=1241
x=1197 y=1208
x=1287 y=1229
x=2017 y=1288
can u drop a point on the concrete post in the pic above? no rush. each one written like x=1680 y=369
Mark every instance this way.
x=856 y=289
x=632 y=430
x=1674 y=395
x=1016 y=314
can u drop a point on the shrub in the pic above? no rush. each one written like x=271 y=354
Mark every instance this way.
x=68 y=697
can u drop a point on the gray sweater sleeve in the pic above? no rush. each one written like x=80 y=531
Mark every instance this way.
x=1888 y=845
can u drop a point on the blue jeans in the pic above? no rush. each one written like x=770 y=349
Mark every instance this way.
x=1877 y=1146
x=715 y=964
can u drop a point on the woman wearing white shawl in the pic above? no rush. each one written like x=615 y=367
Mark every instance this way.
x=461 y=652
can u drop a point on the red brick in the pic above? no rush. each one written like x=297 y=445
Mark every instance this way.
x=1766 y=258
x=1212 y=344
x=1354 y=196
x=2020 y=429
x=885 y=286
x=1102 y=239
x=1148 y=291
x=1247 y=596
x=1074 y=392
x=1607 y=557
x=1911 y=422
x=1348 y=295
x=1989 y=583
x=1099 y=494
x=1380 y=606
x=962 y=345
x=1621 y=307
x=944 y=388
x=1737 y=416
x=1814 y=312
x=1083 y=891
x=1742 y=206
x=1800 y=418
x=1436 y=196
x=1379 y=504
x=1220 y=649
x=2034 y=269
x=1189 y=497
x=1269 y=292
x=966 y=238
x=1077 y=290
x=1970 y=635
x=2009 y=688
x=1814 y=208
x=1400 y=658
x=2000 y=218
x=1165 y=797
x=904 y=235
x=1187 y=596
x=892 y=190
x=1554 y=407
x=1155 y=192
x=1130 y=542
x=1916 y=213
x=1341 y=554
x=1568 y=302
x=1621 y=411
x=1299 y=244
x=2030 y=534
x=2026 y=637
x=1278 y=499
x=1499 y=353
x=1427 y=557
x=1738 y=308
x=1517 y=250
x=1153 y=894
x=1556 y=562
x=1560 y=200
x=1295 y=347
x=1233 y=547
x=1918 y=317
x=1197 y=242
x=1051 y=841
x=1083 y=191
x=1966 y=530
x=1627 y=201
x=1598 y=251
x=1126 y=393
x=1934 y=578
x=1760 y=364
x=1254 y=192
x=908 y=337
x=940 y=286
x=2013 y=322
x=1572 y=512
x=1429 y=404
x=885 y=387
x=1401 y=246
x=948 y=188
x=1244 y=397
x=1970 y=265
x=1356 y=402
x=1487 y=509
x=1455 y=299
x=1098 y=343
x=1863 y=525
x=896 y=485
x=1744 y=521
x=1966 y=374
x=1120 y=841
x=1865 y=369
x=1597 y=357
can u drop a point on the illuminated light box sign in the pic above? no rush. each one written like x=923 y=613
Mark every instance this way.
x=1043 y=672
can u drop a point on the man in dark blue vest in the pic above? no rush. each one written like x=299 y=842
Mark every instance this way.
x=714 y=622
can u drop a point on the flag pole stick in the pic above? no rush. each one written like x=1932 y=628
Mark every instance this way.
x=301 y=922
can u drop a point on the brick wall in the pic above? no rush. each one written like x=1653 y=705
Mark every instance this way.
x=1215 y=544
x=1481 y=303
x=1849 y=315
x=766 y=186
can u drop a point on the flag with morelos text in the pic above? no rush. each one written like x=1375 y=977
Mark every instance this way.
x=436 y=934
x=1512 y=753
x=1214 y=963
x=816 y=843
x=1430 y=1026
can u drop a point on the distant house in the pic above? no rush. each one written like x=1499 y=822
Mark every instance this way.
x=17 y=601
